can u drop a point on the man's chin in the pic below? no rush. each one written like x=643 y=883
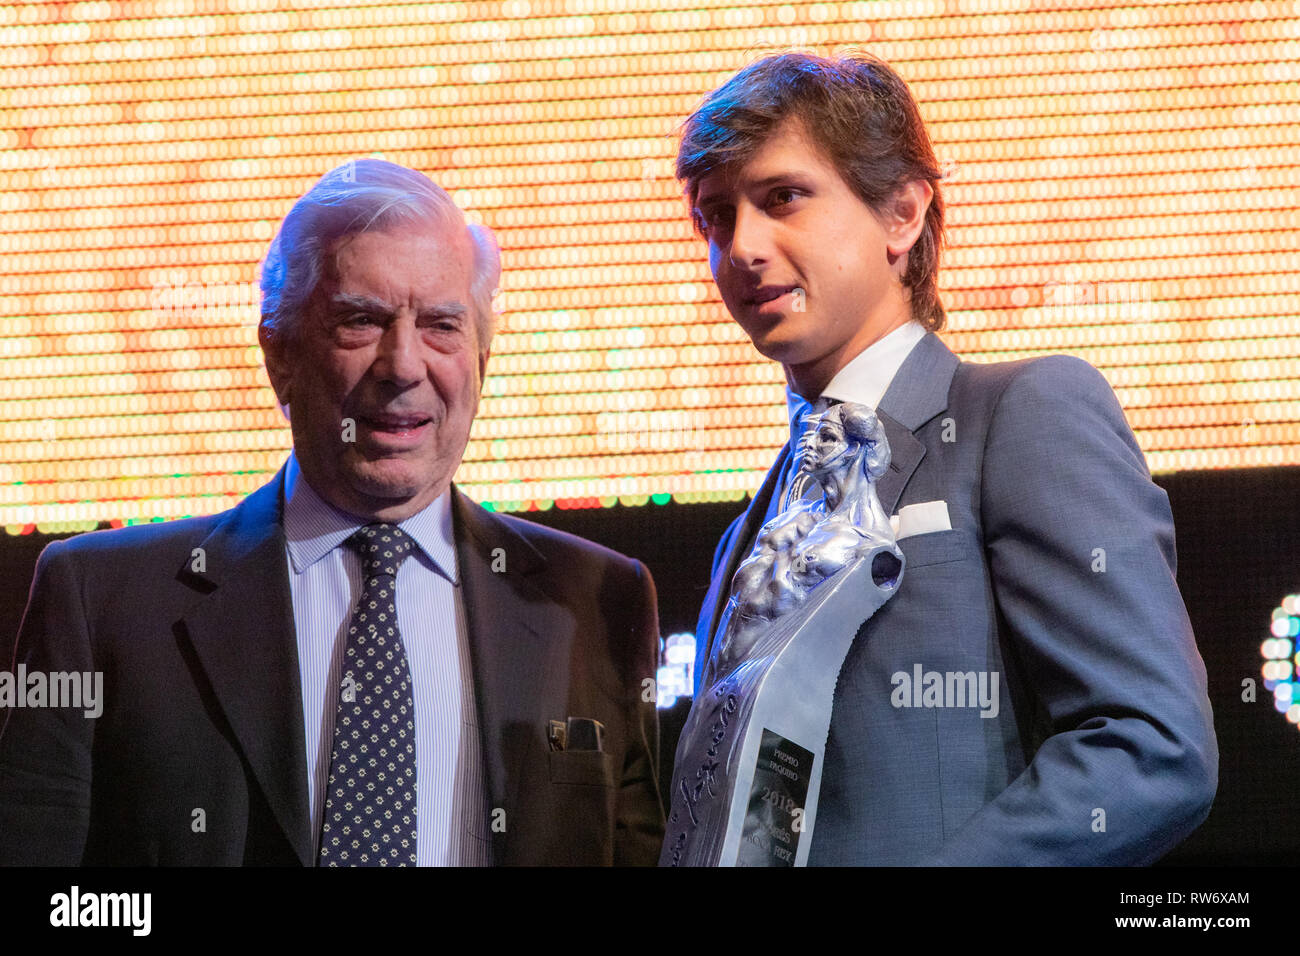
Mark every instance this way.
x=778 y=338
x=785 y=349
x=390 y=486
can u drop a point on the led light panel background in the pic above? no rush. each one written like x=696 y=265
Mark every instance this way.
x=1123 y=186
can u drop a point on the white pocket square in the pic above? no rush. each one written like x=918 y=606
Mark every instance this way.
x=921 y=519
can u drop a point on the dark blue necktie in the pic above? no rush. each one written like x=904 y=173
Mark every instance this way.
x=369 y=815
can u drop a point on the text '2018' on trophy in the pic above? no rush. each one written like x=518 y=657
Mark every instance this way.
x=749 y=761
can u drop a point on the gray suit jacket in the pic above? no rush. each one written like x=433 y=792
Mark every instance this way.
x=1059 y=575
x=203 y=701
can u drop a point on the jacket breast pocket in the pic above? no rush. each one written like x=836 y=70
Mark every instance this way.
x=581 y=808
x=936 y=547
x=590 y=767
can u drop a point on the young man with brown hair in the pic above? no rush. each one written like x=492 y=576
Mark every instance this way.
x=1040 y=561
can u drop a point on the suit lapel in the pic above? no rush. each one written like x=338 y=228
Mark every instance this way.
x=905 y=453
x=517 y=646
x=715 y=601
x=243 y=634
x=917 y=393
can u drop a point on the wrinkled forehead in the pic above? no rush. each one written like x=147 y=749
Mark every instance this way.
x=448 y=234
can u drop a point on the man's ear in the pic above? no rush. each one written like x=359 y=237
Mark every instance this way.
x=904 y=217
x=483 y=357
x=278 y=369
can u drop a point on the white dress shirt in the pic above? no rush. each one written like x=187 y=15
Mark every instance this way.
x=326 y=582
x=865 y=378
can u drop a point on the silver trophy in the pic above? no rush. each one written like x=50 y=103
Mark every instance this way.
x=749 y=761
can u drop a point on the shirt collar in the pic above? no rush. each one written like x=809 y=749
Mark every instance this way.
x=313 y=527
x=865 y=378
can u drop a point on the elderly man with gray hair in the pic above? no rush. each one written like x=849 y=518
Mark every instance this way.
x=357 y=665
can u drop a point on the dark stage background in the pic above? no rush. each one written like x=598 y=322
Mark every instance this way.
x=1238 y=556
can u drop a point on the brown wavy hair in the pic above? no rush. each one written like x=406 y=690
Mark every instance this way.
x=865 y=120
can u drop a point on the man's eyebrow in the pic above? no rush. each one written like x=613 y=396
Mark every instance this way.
x=343 y=301
x=786 y=177
x=340 y=301
x=720 y=195
x=714 y=196
x=445 y=310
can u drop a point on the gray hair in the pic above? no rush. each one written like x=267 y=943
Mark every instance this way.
x=364 y=195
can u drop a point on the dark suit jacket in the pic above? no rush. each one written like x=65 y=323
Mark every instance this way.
x=1058 y=574
x=203 y=706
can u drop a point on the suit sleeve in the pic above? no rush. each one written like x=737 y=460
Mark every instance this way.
x=45 y=752
x=639 y=832
x=1080 y=549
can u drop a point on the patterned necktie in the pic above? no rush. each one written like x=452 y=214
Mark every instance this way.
x=370 y=804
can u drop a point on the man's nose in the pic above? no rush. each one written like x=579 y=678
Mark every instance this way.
x=398 y=359
x=749 y=238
